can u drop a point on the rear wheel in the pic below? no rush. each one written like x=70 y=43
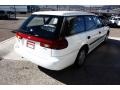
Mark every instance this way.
x=80 y=60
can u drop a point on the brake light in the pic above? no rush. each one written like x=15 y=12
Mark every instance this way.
x=55 y=44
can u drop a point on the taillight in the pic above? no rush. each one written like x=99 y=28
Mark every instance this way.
x=18 y=36
x=55 y=44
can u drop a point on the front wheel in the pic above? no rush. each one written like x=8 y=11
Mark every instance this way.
x=80 y=60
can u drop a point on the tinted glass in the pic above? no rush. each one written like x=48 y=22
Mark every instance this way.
x=90 y=24
x=42 y=26
x=76 y=25
x=97 y=22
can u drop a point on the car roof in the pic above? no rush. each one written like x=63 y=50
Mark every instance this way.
x=62 y=13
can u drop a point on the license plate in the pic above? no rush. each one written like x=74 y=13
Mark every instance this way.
x=31 y=44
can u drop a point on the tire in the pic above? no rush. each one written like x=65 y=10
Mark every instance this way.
x=115 y=25
x=106 y=37
x=80 y=60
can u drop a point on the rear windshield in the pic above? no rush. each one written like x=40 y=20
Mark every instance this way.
x=42 y=26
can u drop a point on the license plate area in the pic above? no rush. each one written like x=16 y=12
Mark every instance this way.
x=30 y=44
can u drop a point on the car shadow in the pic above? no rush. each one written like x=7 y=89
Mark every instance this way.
x=102 y=67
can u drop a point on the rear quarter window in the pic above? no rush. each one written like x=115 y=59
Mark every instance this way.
x=90 y=24
x=99 y=22
x=74 y=25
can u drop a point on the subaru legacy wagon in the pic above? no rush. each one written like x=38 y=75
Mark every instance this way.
x=57 y=39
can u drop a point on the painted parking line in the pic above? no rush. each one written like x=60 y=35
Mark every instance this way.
x=7 y=51
x=22 y=18
x=115 y=38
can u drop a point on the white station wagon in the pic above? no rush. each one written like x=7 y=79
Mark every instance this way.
x=57 y=39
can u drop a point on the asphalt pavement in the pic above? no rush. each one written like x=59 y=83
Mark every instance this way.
x=7 y=26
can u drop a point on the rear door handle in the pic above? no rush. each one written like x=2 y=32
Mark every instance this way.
x=88 y=37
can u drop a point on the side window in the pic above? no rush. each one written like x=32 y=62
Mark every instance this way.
x=78 y=25
x=97 y=21
x=90 y=24
x=75 y=25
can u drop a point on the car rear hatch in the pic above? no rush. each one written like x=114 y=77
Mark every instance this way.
x=39 y=32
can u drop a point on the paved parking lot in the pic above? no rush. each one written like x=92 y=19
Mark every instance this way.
x=7 y=26
x=102 y=65
x=115 y=32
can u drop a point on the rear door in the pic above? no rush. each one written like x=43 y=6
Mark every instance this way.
x=36 y=31
x=92 y=32
x=101 y=26
x=74 y=28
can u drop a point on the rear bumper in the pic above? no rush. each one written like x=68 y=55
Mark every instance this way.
x=48 y=62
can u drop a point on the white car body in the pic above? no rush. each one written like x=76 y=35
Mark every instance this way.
x=115 y=21
x=59 y=59
x=112 y=21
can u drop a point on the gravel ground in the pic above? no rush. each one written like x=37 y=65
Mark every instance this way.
x=23 y=72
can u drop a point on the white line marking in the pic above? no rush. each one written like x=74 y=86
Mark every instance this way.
x=21 y=18
x=115 y=38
